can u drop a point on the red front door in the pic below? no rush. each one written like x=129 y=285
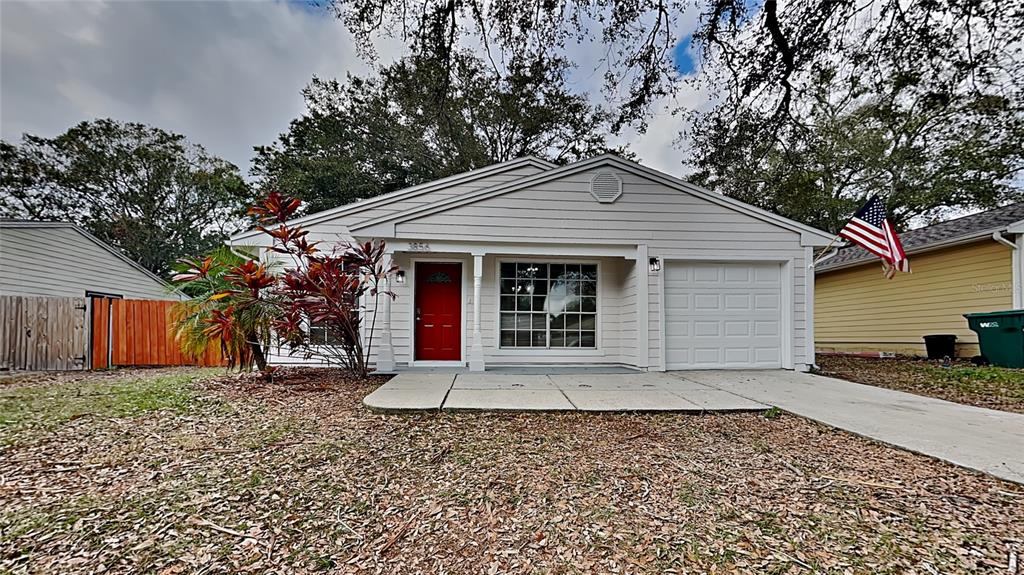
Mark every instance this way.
x=438 y=311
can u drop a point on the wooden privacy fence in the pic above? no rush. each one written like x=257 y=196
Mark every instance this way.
x=43 y=333
x=136 y=332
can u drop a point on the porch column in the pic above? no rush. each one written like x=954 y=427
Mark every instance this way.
x=476 y=351
x=385 y=351
x=643 y=341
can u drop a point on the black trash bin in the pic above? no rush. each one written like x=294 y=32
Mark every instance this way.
x=940 y=346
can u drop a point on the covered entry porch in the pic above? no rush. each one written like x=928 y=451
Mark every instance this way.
x=479 y=307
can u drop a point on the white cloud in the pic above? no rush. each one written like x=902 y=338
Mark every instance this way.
x=227 y=75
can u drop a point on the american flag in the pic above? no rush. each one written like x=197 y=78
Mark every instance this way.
x=871 y=229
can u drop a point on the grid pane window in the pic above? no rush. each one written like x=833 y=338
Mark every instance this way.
x=548 y=305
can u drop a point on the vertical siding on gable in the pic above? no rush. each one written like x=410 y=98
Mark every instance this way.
x=61 y=262
x=857 y=310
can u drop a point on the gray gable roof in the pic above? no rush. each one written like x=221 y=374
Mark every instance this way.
x=963 y=228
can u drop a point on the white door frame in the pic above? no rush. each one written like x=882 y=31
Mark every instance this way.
x=463 y=289
x=787 y=309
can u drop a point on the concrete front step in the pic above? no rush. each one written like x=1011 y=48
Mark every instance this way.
x=565 y=392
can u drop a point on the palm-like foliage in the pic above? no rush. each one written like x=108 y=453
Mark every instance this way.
x=229 y=307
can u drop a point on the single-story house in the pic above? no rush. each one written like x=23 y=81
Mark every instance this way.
x=602 y=262
x=57 y=259
x=970 y=264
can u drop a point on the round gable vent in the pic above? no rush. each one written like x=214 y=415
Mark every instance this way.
x=606 y=187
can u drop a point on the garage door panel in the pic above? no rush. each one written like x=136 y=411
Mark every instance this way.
x=734 y=328
x=768 y=274
x=707 y=328
x=737 y=302
x=723 y=315
x=737 y=355
x=706 y=274
x=735 y=274
x=766 y=328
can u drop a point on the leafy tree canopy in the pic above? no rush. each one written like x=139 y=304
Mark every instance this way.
x=418 y=120
x=148 y=192
x=816 y=103
x=757 y=48
x=929 y=156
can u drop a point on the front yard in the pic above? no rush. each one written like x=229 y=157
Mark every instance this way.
x=172 y=471
x=961 y=382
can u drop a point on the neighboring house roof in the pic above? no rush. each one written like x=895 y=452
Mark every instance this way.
x=963 y=229
x=406 y=193
x=810 y=236
x=112 y=250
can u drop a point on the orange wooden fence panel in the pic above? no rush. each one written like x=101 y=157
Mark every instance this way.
x=139 y=334
x=100 y=333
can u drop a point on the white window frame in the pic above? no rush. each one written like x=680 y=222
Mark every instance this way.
x=598 y=348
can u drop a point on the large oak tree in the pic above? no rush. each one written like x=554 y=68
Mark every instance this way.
x=147 y=192
x=418 y=120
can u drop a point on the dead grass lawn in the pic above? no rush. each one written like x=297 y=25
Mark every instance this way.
x=296 y=477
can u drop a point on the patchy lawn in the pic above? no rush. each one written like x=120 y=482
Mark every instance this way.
x=171 y=474
x=991 y=387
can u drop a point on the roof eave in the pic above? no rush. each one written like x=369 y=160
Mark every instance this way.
x=949 y=243
x=397 y=195
x=809 y=236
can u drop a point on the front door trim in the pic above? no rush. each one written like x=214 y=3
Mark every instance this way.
x=463 y=290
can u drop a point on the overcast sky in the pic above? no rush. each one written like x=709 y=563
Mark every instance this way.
x=225 y=74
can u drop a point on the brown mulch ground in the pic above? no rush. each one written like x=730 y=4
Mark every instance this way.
x=297 y=476
x=991 y=387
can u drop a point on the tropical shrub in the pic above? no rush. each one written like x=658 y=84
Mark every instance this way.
x=219 y=312
x=328 y=290
x=315 y=306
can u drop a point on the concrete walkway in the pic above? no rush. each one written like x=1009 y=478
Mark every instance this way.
x=553 y=392
x=981 y=439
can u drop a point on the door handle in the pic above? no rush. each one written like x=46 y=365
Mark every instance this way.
x=417 y=314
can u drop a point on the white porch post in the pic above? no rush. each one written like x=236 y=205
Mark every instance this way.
x=476 y=350
x=385 y=350
x=643 y=279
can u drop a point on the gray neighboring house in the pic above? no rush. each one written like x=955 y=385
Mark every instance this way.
x=602 y=262
x=56 y=259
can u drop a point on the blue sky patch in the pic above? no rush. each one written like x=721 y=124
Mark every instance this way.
x=683 y=57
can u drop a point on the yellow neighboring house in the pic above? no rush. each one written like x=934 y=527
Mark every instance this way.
x=970 y=264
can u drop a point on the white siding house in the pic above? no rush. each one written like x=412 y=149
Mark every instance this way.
x=600 y=262
x=55 y=259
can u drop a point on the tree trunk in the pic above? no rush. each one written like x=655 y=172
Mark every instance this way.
x=256 y=349
x=258 y=357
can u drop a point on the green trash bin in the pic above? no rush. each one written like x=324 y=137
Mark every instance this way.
x=1001 y=336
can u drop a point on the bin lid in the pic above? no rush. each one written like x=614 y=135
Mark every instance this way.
x=1019 y=312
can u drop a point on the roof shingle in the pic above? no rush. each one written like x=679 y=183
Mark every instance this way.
x=952 y=230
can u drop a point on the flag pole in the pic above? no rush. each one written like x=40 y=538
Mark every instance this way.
x=821 y=255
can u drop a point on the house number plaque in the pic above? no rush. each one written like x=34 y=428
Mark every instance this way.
x=419 y=247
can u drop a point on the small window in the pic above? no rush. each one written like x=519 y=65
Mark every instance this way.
x=320 y=335
x=548 y=305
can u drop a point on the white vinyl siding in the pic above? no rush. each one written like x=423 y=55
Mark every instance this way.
x=673 y=224
x=650 y=219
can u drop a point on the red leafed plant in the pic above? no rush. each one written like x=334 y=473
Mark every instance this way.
x=315 y=306
x=322 y=297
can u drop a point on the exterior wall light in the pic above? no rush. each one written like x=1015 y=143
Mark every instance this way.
x=400 y=277
x=655 y=264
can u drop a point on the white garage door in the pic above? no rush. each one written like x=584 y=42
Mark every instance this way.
x=723 y=315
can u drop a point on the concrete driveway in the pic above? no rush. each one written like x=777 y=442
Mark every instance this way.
x=981 y=439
